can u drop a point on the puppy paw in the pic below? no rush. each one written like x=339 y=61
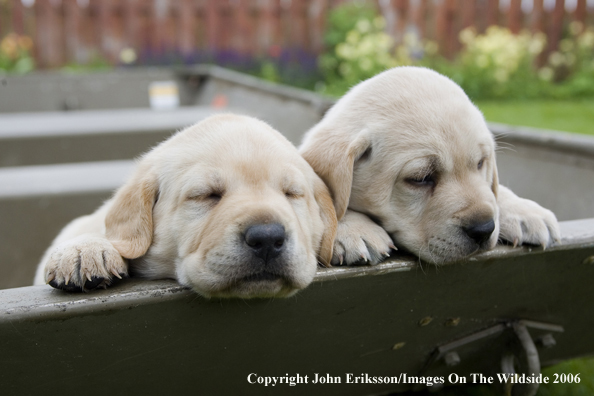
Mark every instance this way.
x=523 y=221
x=360 y=241
x=84 y=263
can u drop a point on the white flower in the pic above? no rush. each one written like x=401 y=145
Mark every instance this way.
x=363 y=25
x=482 y=61
x=576 y=28
x=128 y=56
x=545 y=73
x=556 y=59
x=467 y=36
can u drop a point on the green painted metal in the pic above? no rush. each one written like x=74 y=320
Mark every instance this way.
x=157 y=337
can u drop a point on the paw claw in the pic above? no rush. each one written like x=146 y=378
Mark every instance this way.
x=360 y=241
x=84 y=263
x=115 y=273
x=522 y=221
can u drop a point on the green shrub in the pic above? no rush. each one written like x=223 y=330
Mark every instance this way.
x=15 y=54
x=498 y=64
x=343 y=20
x=495 y=65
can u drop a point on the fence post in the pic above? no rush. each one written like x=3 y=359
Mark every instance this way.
x=556 y=26
x=515 y=16
x=317 y=17
x=48 y=35
x=186 y=15
x=581 y=11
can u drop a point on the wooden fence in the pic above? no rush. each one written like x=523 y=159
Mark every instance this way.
x=78 y=31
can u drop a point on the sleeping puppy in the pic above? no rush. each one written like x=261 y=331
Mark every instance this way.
x=408 y=150
x=227 y=207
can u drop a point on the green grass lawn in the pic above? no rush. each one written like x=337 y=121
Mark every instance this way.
x=570 y=116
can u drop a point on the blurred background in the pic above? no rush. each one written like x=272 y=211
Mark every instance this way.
x=503 y=50
x=523 y=62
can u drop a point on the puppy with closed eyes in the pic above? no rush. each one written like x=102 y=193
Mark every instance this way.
x=410 y=163
x=227 y=207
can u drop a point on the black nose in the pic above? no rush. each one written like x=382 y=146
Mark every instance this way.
x=266 y=240
x=480 y=232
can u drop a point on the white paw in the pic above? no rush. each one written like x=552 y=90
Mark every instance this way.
x=360 y=240
x=522 y=221
x=84 y=263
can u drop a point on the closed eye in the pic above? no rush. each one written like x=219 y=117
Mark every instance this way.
x=293 y=193
x=215 y=196
x=427 y=180
x=212 y=197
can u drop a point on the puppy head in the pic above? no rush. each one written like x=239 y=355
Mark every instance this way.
x=409 y=149
x=229 y=208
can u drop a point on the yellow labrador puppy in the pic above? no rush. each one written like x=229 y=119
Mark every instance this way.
x=408 y=150
x=227 y=207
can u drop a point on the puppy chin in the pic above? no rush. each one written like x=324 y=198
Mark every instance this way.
x=259 y=285
x=257 y=289
x=450 y=252
x=247 y=288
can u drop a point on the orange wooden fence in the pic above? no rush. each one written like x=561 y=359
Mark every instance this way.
x=66 y=31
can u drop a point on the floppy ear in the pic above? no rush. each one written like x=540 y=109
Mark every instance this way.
x=333 y=161
x=322 y=196
x=495 y=182
x=129 y=221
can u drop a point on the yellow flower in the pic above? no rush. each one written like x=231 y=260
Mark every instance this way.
x=545 y=73
x=353 y=37
x=379 y=23
x=25 y=43
x=9 y=45
x=576 y=28
x=467 y=36
x=566 y=45
x=586 y=40
x=431 y=47
x=482 y=61
x=363 y=25
x=556 y=59
x=128 y=56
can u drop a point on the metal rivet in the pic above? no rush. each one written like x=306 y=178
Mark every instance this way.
x=548 y=341
x=588 y=260
x=425 y=321
x=452 y=359
x=451 y=322
x=398 y=345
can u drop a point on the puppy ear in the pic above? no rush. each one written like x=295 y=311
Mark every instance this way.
x=129 y=221
x=333 y=160
x=322 y=196
x=495 y=182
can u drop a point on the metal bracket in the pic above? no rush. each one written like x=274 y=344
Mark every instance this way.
x=520 y=353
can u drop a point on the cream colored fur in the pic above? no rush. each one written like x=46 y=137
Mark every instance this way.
x=184 y=212
x=408 y=149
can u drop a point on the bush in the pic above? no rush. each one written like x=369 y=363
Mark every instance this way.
x=15 y=54
x=495 y=65
x=337 y=66
x=498 y=64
